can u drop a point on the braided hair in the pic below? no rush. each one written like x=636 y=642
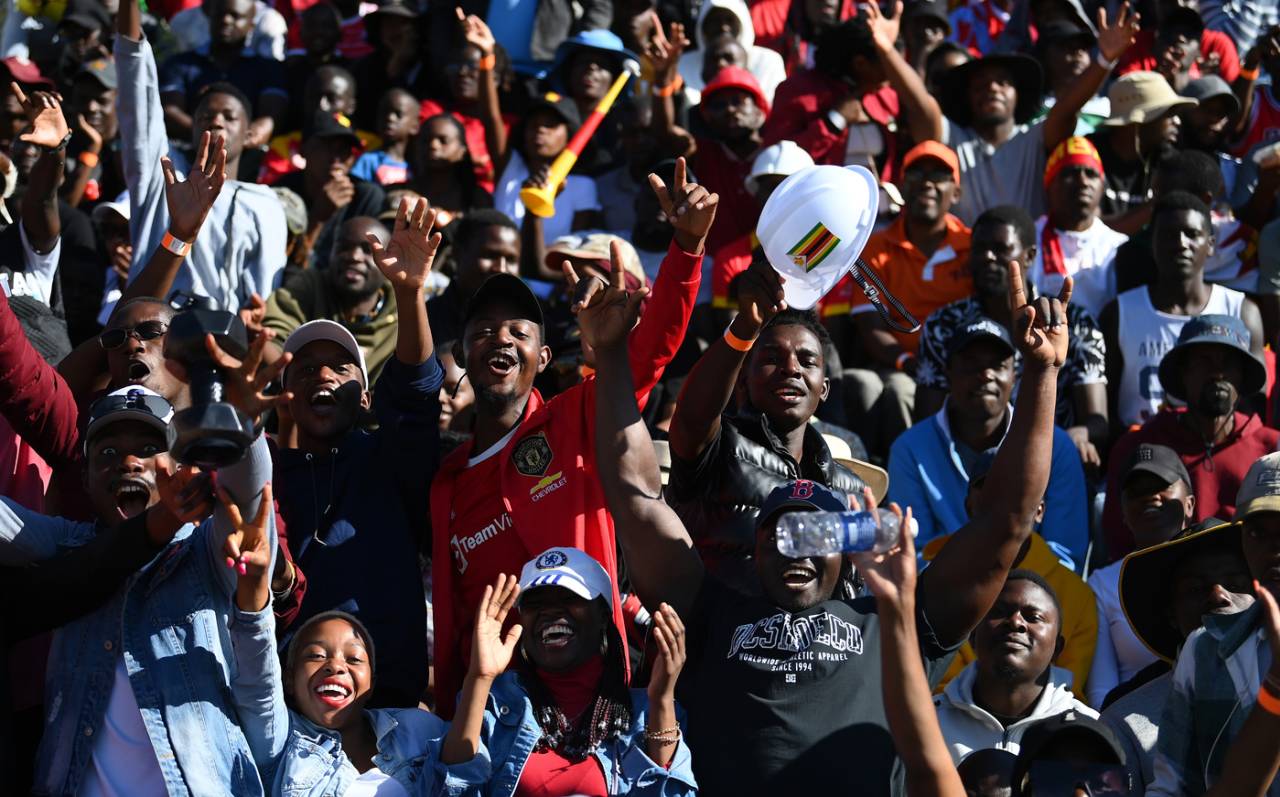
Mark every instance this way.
x=606 y=718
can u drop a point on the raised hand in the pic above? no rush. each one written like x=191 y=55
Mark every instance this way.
x=491 y=650
x=669 y=638
x=246 y=546
x=406 y=259
x=664 y=51
x=246 y=380
x=891 y=576
x=338 y=191
x=884 y=30
x=186 y=492
x=760 y=296
x=689 y=207
x=253 y=314
x=606 y=313
x=1114 y=39
x=91 y=134
x=189 y=200
x=1040 y=331
x=476 y=32
x=47 y=127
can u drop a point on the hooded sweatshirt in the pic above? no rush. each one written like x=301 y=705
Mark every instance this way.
x=966 y=727
x=765 y=64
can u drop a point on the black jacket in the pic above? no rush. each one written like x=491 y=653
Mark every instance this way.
x=719 y=495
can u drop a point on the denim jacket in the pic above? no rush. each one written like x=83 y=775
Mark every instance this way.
x=170 y=622
x=511 y=732
x=301 y=759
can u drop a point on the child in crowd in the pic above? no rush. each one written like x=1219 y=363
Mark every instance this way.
x=397 y=125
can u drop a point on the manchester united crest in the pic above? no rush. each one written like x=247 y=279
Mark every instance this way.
x=532 y=456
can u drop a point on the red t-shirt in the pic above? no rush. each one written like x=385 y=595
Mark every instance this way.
x=482 y=539
x=550 y=774
x=1138 y=57
x=729 y=242
x=1264 y=122
x=476 y=143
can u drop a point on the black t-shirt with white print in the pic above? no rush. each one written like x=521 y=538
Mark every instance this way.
x=790 y=704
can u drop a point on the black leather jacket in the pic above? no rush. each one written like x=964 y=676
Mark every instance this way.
x=719 y=496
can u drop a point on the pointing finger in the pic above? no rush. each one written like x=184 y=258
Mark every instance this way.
x=681 y=173
x=1064 y=295
x=661 y=192
x=617 y=276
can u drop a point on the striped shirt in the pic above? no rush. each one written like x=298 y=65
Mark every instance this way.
x=1243 y=20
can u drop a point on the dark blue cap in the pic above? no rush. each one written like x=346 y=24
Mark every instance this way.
x=982 y=328
x=804 y=496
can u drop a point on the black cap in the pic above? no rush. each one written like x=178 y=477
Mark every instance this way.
x=1061 y=30
x=982 y=329
x=1207 y=87
x=564 y=107
x=100 y=70
x=324 y=124
x=802 y=495
x=1160 y=461
x=505 y=288
x=394 y=8
x=928 y=9
x=88 y=14
x=1041 y=734
x=1182 y=18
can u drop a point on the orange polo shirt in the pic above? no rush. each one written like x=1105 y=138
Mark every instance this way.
x=922 y=284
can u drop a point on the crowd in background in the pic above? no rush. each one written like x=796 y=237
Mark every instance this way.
x=314 y=356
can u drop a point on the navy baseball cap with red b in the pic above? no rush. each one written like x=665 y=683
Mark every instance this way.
x=801 y=495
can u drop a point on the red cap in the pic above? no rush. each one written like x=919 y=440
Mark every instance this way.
x=735 y=77
x=24 y=71
x=937 y=151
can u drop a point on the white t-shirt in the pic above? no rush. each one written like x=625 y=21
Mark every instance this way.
x=123 y=763
x=1089 y=256
x=1119 y=655
x=579 y=194
x=375 y=783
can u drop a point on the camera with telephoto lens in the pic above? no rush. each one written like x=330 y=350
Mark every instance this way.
x=211 y=432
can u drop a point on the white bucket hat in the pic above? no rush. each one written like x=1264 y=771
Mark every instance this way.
x=784 y=158
x=814 y=227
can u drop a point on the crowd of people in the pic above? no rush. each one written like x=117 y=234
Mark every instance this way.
x=406 y=398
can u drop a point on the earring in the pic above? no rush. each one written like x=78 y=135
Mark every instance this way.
x=604 y=645
x=524 y=654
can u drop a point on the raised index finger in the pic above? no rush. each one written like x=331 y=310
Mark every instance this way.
x=1064 y=295
x=1017 y=287
x=617 y=278
x=680 y=174
x=661 y=192
x=18 y=92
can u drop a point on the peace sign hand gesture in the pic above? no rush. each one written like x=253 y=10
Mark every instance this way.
x=606 y=314
x=47 y=126
x=1040 y=330
x=189 y=200
x=688 y=206
x=406 y=259
x=248 y=551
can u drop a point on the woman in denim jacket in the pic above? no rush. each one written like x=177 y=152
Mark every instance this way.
x=564 y=722
x=323 y=741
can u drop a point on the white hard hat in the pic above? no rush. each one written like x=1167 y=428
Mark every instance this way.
x=814 y=227
x=784 y=158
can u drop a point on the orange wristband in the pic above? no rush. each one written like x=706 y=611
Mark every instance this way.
x=1268 y=702
x=1250 y=74
x=174 y=245
x=487 y=63
x=736 y=343
x=669 y=89
x=89 y=159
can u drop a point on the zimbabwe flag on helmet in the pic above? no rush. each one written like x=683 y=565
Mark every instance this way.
x=814 y=247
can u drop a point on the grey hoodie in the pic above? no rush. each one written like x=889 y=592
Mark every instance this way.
x=765 y=64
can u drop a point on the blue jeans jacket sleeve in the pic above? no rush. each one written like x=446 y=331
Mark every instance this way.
x=257 y=688
x=243 y=481
x=646 y=776
x=27 y=536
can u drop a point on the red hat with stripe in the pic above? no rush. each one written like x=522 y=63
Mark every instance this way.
x=1075 y=151
x=735 y=77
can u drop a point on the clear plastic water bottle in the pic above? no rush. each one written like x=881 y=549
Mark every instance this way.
x=822 y=533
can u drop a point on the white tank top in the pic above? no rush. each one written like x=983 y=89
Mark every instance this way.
x=1145 y=336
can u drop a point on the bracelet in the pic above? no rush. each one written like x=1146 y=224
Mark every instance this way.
x=1250 y=74
x=1104 y=63
x=89 y=159
x=670 y=89
x=1267 y=702
x=736 y=343
x=293 y=583
x=664 y=737
x=174 y=245
x=487 y=62
x=902 y=360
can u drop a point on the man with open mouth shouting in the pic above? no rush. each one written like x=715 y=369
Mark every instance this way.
x=781 y=682
x=525 y=483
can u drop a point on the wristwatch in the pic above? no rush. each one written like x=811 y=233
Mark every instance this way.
x=61 y=145
x=836 y=121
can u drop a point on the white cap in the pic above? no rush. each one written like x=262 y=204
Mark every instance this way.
x=324 y=329
x=571 y=569
x=784 y=158
x=120 y=207
x=814 y=227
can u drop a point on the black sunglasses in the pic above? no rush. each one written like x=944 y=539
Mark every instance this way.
x=147 y=330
